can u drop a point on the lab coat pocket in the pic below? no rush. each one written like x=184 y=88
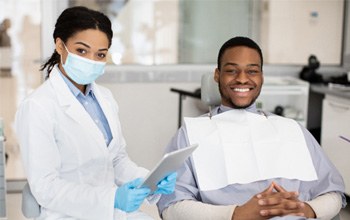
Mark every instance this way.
x=95 y=172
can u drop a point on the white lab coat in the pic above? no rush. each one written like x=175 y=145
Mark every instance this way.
x=69 y=168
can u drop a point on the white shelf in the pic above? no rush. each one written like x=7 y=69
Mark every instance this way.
x=290 y=93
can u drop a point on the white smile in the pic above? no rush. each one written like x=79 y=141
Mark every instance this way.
x=241 y=89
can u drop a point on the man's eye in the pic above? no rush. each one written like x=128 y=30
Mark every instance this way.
x=231 y=71
x=252 y=71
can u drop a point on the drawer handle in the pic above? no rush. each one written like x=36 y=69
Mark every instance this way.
x=344 y=138
x=339 y=106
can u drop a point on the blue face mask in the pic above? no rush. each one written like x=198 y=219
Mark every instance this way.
x=82 y=70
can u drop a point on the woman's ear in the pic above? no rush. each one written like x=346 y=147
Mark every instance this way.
x=59 y=46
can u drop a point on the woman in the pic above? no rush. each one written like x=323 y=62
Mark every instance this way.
x=69 y=131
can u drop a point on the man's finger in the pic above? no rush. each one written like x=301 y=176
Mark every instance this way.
x=267 y=191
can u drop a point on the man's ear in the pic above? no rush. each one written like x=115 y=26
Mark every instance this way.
x=59 y=46
x=217 y=75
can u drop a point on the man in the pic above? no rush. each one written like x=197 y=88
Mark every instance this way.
x=250 y=164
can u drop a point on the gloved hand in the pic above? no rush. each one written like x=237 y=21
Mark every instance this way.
x=129 y=197
x=167 y=185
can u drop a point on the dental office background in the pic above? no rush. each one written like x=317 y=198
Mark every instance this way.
x=164 y=44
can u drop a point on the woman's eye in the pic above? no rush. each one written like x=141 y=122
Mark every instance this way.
x=81 y=51
x=101 y=55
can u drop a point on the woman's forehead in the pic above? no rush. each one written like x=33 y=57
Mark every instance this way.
x=90 y=37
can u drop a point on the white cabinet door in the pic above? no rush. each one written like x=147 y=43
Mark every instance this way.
x=336 y=124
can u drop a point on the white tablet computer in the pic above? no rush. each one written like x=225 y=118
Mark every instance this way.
x=168 y=164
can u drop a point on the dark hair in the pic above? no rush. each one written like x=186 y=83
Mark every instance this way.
x=239 y=41
x=73 y=20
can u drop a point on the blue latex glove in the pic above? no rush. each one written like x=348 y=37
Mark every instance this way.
x=167 y=185
x=129 y=197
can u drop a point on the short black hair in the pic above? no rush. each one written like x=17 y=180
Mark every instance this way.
x=239 y=41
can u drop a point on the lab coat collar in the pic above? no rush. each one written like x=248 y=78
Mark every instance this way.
x=73 y=88
x=64 y=95
x=75 y=110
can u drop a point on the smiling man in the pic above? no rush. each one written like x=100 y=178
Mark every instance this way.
x=239 y=74
x=250 y=164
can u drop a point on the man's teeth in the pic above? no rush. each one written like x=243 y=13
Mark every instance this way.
x=241 y=90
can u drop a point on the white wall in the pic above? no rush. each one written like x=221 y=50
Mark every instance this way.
x=296 y=29
x=149 y=116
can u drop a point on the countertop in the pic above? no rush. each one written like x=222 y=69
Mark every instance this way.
x=343 y=92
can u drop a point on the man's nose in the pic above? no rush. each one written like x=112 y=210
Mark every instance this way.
x=242 y=77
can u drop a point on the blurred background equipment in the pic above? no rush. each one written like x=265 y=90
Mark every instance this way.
x=308 y=73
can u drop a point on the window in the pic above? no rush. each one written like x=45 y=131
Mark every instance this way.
x=157 y=32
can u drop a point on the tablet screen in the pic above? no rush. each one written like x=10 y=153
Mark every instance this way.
x=168 y=164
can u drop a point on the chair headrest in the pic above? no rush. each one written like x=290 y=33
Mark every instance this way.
x=210 y=94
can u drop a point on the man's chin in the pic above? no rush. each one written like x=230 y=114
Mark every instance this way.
x=237 y=104
x=241 y=105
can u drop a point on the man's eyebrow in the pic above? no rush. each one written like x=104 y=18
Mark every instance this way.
x=84 y=44
x=253 y=65
x=231 y=64
x=235 y=64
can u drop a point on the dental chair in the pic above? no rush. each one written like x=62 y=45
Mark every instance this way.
x=30 y=207
x=210 y=96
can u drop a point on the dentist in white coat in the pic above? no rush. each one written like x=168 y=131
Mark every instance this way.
x=69 y=132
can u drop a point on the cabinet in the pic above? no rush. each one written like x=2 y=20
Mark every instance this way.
x=2 y=181
x=335 y=124
x=290 y=93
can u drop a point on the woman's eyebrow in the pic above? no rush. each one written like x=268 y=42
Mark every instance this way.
x=84 y=44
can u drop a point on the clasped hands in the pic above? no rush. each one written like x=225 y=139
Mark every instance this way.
x=273 y=201
x=130 y=196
